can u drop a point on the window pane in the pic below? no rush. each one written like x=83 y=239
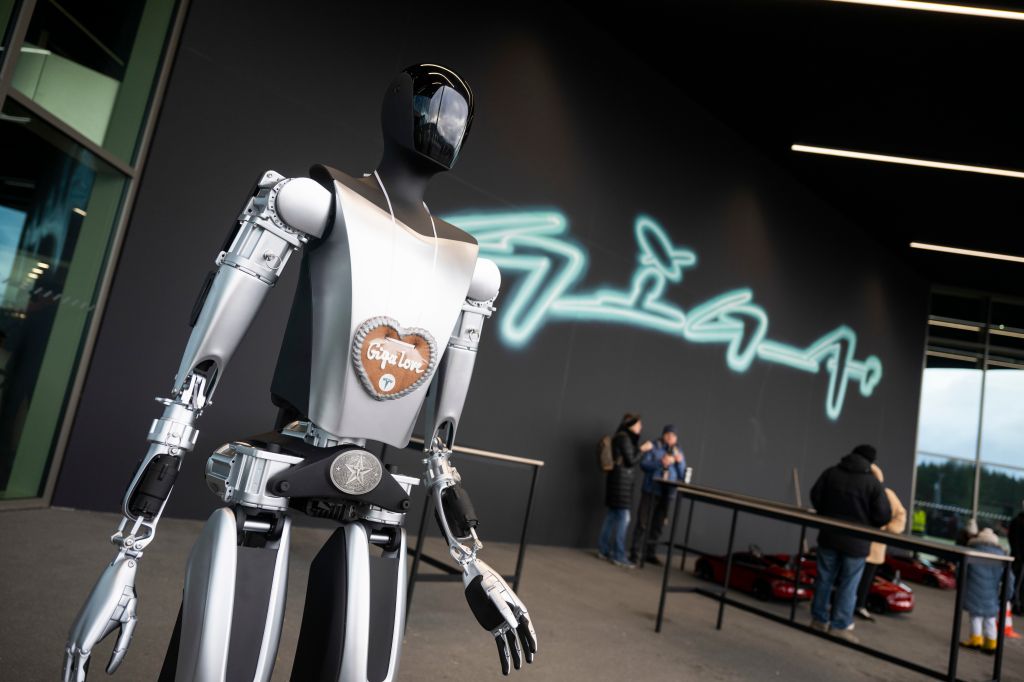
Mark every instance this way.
x=6 y=13
x=92 y=63
x=950 y=405
x=1002 y=428
x=58 y=206
x=999 y=496
x=943 y=497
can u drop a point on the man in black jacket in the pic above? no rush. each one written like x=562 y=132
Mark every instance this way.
x=850 y=492
x=619 y=490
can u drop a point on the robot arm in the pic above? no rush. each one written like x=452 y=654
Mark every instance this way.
x=278 y=219
x=495 y=605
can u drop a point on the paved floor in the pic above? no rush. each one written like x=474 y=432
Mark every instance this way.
x=595 y=621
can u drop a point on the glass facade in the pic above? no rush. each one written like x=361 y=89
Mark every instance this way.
x=79 y=86
x=970 y=442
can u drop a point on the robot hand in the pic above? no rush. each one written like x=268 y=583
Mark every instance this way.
x=110 y=606
x=499 y=611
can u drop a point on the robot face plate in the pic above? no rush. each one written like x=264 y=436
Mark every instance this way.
x=442 y=106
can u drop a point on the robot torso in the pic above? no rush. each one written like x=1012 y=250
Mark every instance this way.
x=373 y=311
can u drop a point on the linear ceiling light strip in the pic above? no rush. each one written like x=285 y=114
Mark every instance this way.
x=941 y=7
x=907 y=161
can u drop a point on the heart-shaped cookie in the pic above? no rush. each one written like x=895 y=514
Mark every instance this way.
x=392 y=361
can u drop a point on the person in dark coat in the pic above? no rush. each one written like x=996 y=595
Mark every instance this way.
x=1016 y=537
x=982 y=594
x=627 y=451
x=850 y=492
x=664 y=460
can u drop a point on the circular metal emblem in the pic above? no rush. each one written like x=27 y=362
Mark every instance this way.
x=355 y=472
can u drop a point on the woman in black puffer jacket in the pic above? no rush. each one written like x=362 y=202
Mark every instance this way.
x=619 y=490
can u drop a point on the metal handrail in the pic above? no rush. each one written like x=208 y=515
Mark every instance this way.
x=487 y=454
x=808 y=518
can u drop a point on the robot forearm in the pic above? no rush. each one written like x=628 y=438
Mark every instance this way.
x=280 y=217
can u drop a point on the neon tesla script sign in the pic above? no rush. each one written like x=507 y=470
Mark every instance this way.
x=535 y=246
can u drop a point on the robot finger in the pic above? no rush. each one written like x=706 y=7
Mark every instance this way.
x=513 y=647
x=69 y=662
x=529 y=637
x=503 y=654
x=121 y=648
x=80 y=666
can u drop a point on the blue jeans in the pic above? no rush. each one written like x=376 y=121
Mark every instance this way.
x=843 y=571
x=612 y=542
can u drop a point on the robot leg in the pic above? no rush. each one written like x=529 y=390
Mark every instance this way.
x=354 y=615
x=232 y=610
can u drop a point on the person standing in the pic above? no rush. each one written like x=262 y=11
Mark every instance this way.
x=876 y=554
x=1015 y=534
x=627 y=452
x=664 y=460
x=850 y=492
x=982 y=595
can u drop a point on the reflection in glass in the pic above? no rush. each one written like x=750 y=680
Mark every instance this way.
x=91 y=63
x=6 y=14
x=57 y=209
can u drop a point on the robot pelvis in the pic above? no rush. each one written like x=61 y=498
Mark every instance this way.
x=277 y=471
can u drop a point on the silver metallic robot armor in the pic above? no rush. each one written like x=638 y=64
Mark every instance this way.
x=386 y=323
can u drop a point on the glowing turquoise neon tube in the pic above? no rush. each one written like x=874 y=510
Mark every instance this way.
x=536 y=247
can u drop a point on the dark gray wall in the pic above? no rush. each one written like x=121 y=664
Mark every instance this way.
x=565 y=120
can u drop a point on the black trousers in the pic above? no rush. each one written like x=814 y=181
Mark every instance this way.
x=649 y=503
x=866 y=578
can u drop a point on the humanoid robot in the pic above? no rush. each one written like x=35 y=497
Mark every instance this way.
x=385 y=323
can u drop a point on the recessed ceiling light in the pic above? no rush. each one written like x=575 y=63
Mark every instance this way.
x=32 y=275
x=941 y=7
x=79 y=211
x=43 y=265
x=907 y=161
x=967 y=252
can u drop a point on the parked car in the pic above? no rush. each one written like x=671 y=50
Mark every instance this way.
x=919 y=570
x=766 y=576
x=884 y=596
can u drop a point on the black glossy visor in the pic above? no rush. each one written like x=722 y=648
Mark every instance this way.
x=442 y=113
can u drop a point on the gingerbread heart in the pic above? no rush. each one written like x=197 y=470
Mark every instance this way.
x=392 y=361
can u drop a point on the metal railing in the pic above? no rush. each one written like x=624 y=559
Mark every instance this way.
x=961 y=556
x=449 y=572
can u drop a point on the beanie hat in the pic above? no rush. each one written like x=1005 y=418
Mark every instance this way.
x=868 y=452
x=987 y=536
x=669 y=428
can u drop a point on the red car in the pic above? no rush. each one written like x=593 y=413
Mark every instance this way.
x=885 y=596
x=765 y=576
x=918 y=570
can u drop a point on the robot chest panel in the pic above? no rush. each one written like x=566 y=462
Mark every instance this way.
x=397 y=273
x=385 y=302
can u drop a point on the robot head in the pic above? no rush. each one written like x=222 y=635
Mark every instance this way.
x=428 y=110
